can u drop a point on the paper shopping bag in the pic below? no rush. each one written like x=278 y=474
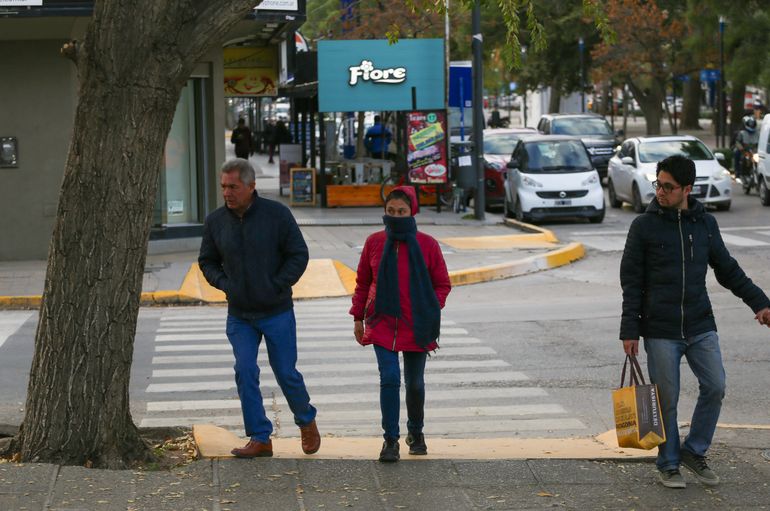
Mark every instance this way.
x=638 y=422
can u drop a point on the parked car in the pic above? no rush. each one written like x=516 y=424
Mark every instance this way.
x=632 y=171
x=552 y=176
x=498 y=148
x=593 y=130
x=763 y=166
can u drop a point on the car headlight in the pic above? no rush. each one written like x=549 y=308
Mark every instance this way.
x=591 y=151
x=591 y=180
x=651 y=177
x=495 y=165
x=528 y=181
x=720 y=174
x=755 y=157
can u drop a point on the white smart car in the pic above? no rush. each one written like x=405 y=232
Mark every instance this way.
x=632 y=171
x=552 y=176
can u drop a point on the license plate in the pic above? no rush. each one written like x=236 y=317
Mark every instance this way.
x=563 y=202
x=696 y=190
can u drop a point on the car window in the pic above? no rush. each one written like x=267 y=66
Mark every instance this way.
x=555 y=157
x=581 y=126
x=500 y=144
x=632 y=151
x=624 y=149
x=658 y=150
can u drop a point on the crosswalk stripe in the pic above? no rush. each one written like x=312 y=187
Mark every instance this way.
x=741 y=241
x=373 y=413
x=354 y=351
x=476 y=394
x=324 y=368
x=219 y=326
x=221 y=336
x=347 y=341
x=430 y=379
x=447 y=426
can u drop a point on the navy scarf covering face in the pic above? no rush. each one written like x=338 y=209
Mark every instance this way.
x=426 y=312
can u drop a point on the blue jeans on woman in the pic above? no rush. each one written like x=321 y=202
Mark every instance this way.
x=390 y=384
x=704 y=358
x=280 y=332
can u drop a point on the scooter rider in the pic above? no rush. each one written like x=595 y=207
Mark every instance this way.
x=747 y=140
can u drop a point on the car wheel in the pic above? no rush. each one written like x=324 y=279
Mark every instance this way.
x=637 y=200
x=507 y=206
x=614 y=202
x=598 y=218
x=519 y=213
x=764 y=192
x=725 y=206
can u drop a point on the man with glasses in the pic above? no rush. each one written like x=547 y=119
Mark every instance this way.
x=663 y=276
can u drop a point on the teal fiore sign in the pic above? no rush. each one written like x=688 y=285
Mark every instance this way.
x=366 y=75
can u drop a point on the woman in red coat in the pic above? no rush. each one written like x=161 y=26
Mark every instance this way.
x=401 y=287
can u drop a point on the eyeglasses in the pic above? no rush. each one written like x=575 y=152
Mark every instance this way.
x=667 y=187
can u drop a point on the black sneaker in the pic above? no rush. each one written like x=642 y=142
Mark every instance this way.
x=698 y=466
x=416 y=444
x=672 y=478
x=389 y=452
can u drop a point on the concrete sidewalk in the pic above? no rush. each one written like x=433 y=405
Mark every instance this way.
x=306 y=482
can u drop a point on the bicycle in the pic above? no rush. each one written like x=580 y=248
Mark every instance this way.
x=426 y=193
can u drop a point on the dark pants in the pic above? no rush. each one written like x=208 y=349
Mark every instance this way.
x=390 y=383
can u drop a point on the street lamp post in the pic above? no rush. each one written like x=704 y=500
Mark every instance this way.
x=582 y=47
x=524 y=87
x=722 y=110
x=478 y=113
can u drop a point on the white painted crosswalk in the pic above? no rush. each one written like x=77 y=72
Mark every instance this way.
x=615 y=241
x=470 y=390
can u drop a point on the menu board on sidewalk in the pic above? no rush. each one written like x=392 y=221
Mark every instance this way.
x=302 y=187
x=427 y=147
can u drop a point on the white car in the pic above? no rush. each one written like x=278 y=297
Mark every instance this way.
x=763 y=165
x=632 y=170
x=552 y=176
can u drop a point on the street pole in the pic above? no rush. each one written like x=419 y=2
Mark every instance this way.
x=722 y=106
x=582 y=46
x=478 y=113
x=524 y=95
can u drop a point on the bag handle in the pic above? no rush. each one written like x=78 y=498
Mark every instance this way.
x=635 y=375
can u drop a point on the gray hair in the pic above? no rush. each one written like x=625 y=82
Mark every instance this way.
x=245 y=171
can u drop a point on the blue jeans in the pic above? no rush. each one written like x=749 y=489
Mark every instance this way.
x=390 y=383
x=280 y=332
x=704 y=358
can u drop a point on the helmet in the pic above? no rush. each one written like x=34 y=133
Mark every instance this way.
x=749 y=123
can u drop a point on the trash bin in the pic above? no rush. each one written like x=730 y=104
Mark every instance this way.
x=463 y=173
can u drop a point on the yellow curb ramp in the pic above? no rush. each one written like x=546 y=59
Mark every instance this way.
x=20 y=302
x=552 y=259
x=216 y=442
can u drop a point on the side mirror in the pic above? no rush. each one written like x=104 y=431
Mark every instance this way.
x=511 y=165
x=620 y=133
x=627 y=160
x=720 y=156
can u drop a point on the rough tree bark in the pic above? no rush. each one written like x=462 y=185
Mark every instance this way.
x=691 y=103
x=554 y=101
x=650 y=101
x=132 y=65
x=737 y=110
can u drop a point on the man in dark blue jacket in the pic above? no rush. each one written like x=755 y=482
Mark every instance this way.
x=377 y=139
x=663 y=276
x=253 y=250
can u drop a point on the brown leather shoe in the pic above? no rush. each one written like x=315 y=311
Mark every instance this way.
x=311 y=439
x=254 y=449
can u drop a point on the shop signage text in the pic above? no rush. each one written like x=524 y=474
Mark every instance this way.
x=367 y=72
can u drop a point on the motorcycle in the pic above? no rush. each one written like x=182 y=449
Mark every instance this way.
x=748 y=165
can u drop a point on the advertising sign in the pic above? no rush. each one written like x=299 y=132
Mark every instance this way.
x=278 y=5
x=427 y=147
x=366 y=75
x=250 y=71
x=17 y=3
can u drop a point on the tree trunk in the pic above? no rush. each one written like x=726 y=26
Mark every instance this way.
x=691 y=103
x=736 y=108
x=131 y=67
x=650 y=101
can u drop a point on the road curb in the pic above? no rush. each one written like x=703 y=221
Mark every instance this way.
x=329 y=278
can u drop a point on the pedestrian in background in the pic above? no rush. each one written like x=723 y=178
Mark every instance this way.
x=253 y=250
x=663 y=276
x=241 y=138
x=281 y=135
x=401 y=286
x=377 y=139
